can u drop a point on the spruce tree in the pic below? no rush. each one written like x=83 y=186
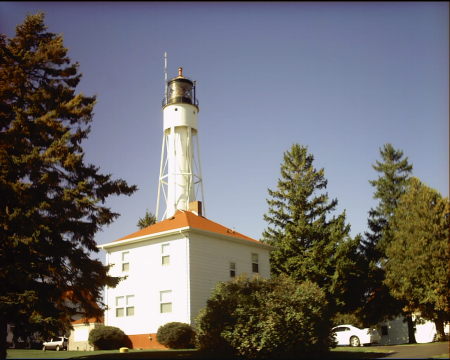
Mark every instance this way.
x=310 y=243
x=52 y=201
x=417 y=271
x=147 y=220
x=394 y=170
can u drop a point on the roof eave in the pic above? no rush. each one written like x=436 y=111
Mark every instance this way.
x=137 y=239
x=141 y=238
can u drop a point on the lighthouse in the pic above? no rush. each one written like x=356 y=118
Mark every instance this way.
x=170 y=267
x=180 y=179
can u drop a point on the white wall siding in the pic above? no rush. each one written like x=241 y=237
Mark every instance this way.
x=209 y=260
x=397 y=331
x=78 y=339
x=146 y=278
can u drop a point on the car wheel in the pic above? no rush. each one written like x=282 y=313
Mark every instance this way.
x=43 y=348
x=57 y=347
x=354 y=341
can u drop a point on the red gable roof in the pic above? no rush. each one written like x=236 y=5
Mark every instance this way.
x=183 y=219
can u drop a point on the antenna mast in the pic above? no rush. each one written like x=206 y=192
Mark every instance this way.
x=165 y=74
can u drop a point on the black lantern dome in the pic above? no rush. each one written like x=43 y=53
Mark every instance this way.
x=180 y=90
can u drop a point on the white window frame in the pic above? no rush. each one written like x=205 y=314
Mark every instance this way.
x=124 y=306
x=125 y=261
x=255 y=263
x=232 y=268
x=120 y=306
x=165 y=254
x=129 y=311
x=165 y=301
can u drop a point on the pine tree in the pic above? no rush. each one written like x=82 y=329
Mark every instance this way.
x=52 y=201
x=309 y=243
x=417 y=269
x=394 y=172
x=147 y=220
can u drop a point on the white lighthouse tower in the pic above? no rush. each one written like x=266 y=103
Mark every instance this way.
x=180 y=179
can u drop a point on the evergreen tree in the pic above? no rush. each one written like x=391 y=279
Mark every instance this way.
x=417 y=269
x=309 y=243
x=52 y=201
x=394 y=172
x=147 y=220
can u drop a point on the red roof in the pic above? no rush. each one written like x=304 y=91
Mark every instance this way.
x=89 y=320
x=183 y=219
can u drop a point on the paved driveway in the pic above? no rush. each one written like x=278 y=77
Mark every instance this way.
x=415 y=351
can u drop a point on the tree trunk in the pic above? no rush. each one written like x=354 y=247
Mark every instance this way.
x=3 y=334
x=411 y=329
x=440 y=334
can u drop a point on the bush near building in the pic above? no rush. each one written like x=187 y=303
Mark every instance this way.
x=258 y=318
x=108 y=338
x=176 y=335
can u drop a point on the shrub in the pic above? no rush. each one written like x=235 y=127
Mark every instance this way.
x=108 y=338
x=176 y=335
x=258 y=318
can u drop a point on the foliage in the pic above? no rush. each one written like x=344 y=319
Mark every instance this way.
x=417 y=269
x=176 y=335
x=394 y=172
x=258 y=318
x=309 y=243
x=52 y=201
x=108 y=338
x=347 y=318
x=147 y=220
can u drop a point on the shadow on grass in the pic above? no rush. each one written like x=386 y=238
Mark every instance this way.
x=197 y=355
x=151 y=354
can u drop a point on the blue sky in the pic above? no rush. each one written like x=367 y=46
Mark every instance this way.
x=340 y=78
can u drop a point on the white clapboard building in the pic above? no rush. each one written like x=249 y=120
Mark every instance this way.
x=171 y=268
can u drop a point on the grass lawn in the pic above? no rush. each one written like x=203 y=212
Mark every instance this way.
x=341 y=352
x=338 y=353
x=49 y=354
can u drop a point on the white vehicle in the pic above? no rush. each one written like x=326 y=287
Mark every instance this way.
x=58 y=343
x=353 y=336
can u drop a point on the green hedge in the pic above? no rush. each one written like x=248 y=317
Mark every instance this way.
x=176 y=335
x=108 y=338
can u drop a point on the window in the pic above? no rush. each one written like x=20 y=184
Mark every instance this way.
x=130 y=305
x=232 y=269
x=124 y=305
x=165 y=257
x=165 y=298
x=255 y=264
x=125 y=261
x=384 y=330
x=120 y=304
x=341 y=328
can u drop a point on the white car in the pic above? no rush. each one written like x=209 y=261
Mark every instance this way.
x=58 y=343
x=353 y=336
